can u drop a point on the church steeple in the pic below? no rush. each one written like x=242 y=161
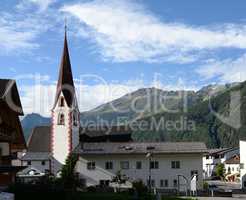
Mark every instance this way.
x=65 y=124
x=65 y=82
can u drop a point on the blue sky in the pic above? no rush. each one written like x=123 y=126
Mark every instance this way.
x=117 y=47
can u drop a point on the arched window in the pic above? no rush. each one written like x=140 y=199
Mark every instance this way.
x=74 y=120
x=61 y=119
x=61 y=102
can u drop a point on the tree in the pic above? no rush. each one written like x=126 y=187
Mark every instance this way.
x=68 y=177
x=220 y=170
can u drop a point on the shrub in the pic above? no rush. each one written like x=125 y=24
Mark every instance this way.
x=140 y=187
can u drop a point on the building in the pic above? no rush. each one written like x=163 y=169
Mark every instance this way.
x=38 y=158
x=243 y=164
x=215 y=157
x=49 y=146
x=232 y=168
x=103 y=151
x=65 y=124
x=11 y=135
x=100 y=162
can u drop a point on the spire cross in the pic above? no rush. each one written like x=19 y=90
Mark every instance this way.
x=65 y=25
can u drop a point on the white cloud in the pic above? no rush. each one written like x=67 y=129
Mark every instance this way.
x=39 y=97
x=41 y=4
x=13 y=39
x=228 y=70
x=124 y=31
x=20 y=30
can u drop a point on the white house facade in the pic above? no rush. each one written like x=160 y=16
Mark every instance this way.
x=215 y=157
x=243 y=164
x=169 y=165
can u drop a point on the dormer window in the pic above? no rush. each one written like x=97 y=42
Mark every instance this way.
x=61 y=102
x=61 y=119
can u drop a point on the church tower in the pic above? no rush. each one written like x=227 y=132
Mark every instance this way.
x=65 y=114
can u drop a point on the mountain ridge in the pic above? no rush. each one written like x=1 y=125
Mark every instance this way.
x=153 y=102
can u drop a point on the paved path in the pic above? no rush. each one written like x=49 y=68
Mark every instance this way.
x=236 y=197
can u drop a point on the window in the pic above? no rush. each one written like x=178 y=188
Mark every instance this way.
x=43 y=162
x=29 y=162
x=61 y=102
x=164 y=183
x=74 y=120
x=104 y=182
x=138 y=165
x=175 y=164
x=175 y=183
x=61 y=119
x=154 y=165
x=241 y=165
x=91 y=165
x=124 y=164
x=109 y=165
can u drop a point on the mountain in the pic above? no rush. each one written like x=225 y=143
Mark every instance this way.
x=212 y=120
x=189 y=109
x=138 y=104
x=32 y=120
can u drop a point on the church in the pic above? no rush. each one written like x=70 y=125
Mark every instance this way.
x=49 y=146
x=105 y=151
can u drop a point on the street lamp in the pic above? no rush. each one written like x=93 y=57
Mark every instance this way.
x=149 y=155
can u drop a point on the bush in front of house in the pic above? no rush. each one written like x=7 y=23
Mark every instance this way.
x=140 y=187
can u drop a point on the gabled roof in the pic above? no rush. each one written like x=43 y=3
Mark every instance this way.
x=221 y=150
x=65 y=82
x=39 y=140
x=11 y=108
x=10 y=96
x=233 y=160
x=141 y=148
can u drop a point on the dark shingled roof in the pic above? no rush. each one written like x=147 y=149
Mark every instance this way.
x=10 y=95
x=96 y=131
x=11 y=109
x=39 y=140
x=141 y=148
x=221 y=150
x=65 y=82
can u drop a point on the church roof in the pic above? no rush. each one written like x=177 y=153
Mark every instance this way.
x=65 y=82
x=39 y=140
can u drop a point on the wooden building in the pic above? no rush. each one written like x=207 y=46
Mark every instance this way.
x=11 y=134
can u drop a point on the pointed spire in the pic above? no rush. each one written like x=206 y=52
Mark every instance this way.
x=65 y=82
